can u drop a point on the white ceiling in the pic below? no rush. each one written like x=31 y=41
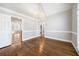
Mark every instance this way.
x=35 y=10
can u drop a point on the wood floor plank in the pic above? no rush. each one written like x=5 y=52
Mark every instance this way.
x=31 y=48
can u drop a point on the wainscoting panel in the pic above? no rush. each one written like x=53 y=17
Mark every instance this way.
x=30 y=34
x=60 y=35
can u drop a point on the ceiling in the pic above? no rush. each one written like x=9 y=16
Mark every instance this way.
x=37 y=10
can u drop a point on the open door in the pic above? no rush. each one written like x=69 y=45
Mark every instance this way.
x=16 y=32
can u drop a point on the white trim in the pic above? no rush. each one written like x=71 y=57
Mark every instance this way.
x=53 y=37
x=65 y=39
x=58 y=39
x=31 y=31
x=53 y=31
x=14 y=13
x=29 y=38
x=74 y=33
x=60 y=31
x=50 y=31
x=75 y=48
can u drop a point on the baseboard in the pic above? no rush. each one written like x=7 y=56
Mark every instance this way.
x=75 y=48
x=30 y=38
x=59 y=39
x=5 y=46
x=65 y=41
x=50 y=38
x=74 y=44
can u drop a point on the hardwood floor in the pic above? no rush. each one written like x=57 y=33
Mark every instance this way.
x=40 y=47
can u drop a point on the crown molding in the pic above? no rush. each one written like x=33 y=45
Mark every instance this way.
x=13 y=13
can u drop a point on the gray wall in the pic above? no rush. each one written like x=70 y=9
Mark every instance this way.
x=59 y=26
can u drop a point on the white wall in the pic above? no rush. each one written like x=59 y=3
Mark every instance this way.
x=30 y=28
x=78 y=27
x=5 y=30
x=75 y=27
x=59 y=26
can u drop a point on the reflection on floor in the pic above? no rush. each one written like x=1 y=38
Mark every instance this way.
x=42 y=47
